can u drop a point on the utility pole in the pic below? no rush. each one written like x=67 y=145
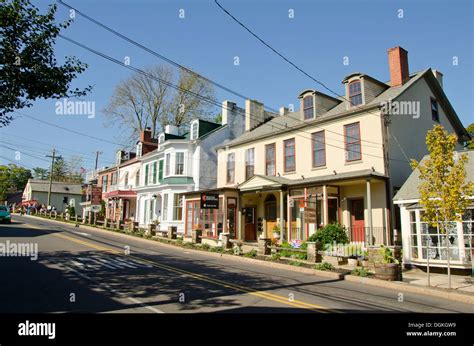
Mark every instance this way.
x=97 y=153
x=53 y=157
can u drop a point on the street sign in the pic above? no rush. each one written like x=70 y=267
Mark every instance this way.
x=209 y=201
x=95 y=208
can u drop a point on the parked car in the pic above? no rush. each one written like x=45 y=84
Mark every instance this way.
x=5 y=214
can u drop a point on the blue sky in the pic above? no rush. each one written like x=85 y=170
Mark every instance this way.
x=206 y=40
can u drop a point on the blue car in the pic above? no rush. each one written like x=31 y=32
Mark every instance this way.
x=5 y=214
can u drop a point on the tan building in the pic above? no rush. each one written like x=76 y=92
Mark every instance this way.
x=334 y=160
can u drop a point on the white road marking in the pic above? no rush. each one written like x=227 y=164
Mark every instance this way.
x=135 y=300
x=81 y=233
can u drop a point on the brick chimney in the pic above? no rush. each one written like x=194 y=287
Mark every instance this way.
x=398 y=63
x=145 y=135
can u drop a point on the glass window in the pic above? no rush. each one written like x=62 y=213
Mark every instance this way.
x=319 y=149
x=177 y=207
x=167 y=165
x=230 y=168
x=146 y=174
x=290 y=158
x=434 y=110
x=270 y=167
x=179 y=164
x=154 y=172
x=413 y=235
x=137 y=178
x=126 y=179
x=249 y=163
x=139 y=149
x=433 y=238
x=468 y=234
x=160 y=171
x=194 y=131
x=352 y=141
x=308 y=107
x=355 y=93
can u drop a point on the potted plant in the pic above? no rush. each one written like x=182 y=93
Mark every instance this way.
x=386 y=266
x=364 y=259
x=352 y=261
x=276 y=231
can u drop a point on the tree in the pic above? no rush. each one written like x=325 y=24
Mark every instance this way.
x=443 y=190
x=60 y=169
x=28 y=68
x=40 y=173
x=143 y=101
x=470 y=130
x=12 y=178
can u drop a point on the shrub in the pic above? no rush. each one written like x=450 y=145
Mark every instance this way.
x=329 y=234
x=179 y=241
x=252 y=253
x=324 y=266
x=360 y=272
x=205 y=247
x=294 y=254
x=387 y=255
x=275 y=257
x=217 y=249
x=296 y=263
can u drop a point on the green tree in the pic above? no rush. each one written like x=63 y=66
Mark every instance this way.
x=12 y=178
x=28 y=68
x=470 y=130
x=60 y=170
x=443 y=189
x=40 y=173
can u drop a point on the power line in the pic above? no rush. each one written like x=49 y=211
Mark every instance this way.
x=205 y=99
x=14 y=162
x=170 y=61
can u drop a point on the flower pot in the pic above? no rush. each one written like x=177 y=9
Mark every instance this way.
x=387 y=271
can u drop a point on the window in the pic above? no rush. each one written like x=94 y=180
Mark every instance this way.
x=165 y=207
x=434 y=110
x=177 y=207
x=154 y=172
x=146 y=175
x=290 y=159
x=137 y=178
x=126 y=179
x=114 y=178
x=355 y=93
x=468 y=231
x=167 y=164
x=319 y=149
x=433 y=241
x=179 y=164
x=308 y=107
x=352 y=141
x=270 y=164
x=413 y=235
x=160 y=171
x=194 y=130
x=249 y=163
x=139 y=149
x=230 y=168
x=161 y=138
x=104 y=183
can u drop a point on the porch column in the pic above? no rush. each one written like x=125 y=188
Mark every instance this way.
x=282 y=218
x=225 y=228
x=369 y=211
x=325 y=205
x=239 y=221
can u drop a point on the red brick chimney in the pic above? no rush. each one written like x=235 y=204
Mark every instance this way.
x=398 y=63
x=145 y=135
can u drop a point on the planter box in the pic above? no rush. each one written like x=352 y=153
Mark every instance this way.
x=210 y=241
x=334 y=260
x=187 y=239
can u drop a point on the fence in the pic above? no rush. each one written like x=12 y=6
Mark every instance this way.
x=362 y=235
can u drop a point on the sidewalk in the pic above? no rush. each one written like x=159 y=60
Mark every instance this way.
x=459 y=283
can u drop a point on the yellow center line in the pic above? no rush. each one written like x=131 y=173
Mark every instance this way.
x=201 y=277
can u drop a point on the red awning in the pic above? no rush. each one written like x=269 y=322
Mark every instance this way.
x=120 y=194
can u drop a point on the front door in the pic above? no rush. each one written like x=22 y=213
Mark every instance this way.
x=357 y=220
x=250 y=229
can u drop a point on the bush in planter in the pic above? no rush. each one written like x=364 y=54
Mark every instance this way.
x=252 y=253
x=360 y=272
x=329 y=234
x=387 y=266
x=324 y=266
x=293 y=254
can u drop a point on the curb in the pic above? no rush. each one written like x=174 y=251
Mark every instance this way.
x=321 y=273
x=403 y=286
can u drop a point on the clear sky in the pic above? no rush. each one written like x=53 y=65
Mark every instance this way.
x=319 y=36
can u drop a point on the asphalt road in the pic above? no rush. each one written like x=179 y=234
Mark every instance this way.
x=87 y=270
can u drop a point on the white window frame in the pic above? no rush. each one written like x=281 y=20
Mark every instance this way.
x=165 y=209
x=167 y=170
x=139 y=149
x=176 y=161
x=195 y=126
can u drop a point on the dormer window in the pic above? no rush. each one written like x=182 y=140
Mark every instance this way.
x=139 y=149
x=194 y=130
x=118 y=157
x=355 y=93
x=161 y=138
x=308 y=107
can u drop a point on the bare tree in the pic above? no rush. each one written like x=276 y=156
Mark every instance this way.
x=143 y=101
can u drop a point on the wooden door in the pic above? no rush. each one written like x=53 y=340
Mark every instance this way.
x=250 y=226
x=357 y=220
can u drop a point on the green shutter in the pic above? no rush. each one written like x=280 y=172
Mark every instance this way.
x=160 y=172
x=146 y=175
x=154 y=172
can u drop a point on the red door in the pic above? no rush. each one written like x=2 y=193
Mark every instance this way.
x=250 y=229
x=357 y=220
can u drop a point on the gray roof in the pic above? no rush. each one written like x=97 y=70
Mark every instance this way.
x=57 y=187
x=409 y=190
x=292 y=121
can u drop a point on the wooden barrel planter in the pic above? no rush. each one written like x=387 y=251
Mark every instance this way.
x=388 y=271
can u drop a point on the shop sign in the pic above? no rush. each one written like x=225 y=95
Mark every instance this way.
x=310 y=215
x=209 y=201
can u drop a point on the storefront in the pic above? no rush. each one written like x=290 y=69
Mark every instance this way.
x=212 y=211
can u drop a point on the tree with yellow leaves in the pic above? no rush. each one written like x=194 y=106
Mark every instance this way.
x=443 y=190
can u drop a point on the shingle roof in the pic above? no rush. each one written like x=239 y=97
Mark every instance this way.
x=57 y=187
x=409 y=190
x=293 y=120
